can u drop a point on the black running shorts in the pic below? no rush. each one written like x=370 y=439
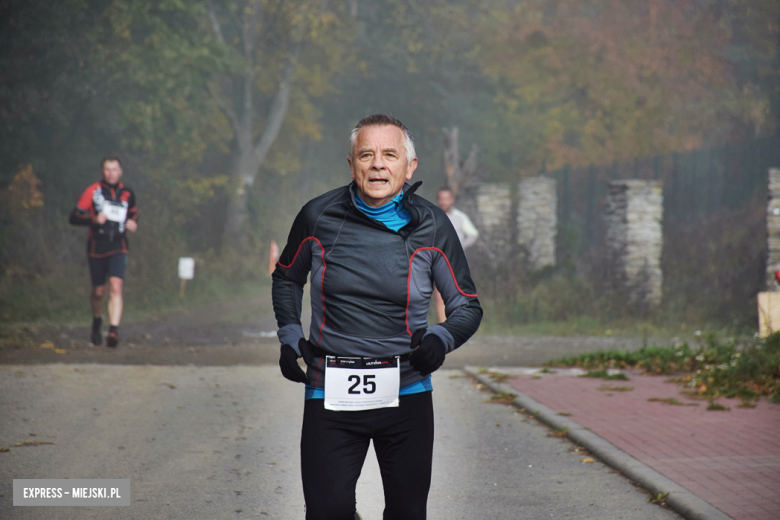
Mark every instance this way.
x=100 y=269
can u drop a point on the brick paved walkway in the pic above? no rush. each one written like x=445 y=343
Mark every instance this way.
x=731 y=458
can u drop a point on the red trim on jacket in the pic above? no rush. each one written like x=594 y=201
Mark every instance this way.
x=409 y=280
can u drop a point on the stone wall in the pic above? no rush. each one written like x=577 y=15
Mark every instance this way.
x=634 y=239
x=537 y=220
x=494 y=203
x=773 y=230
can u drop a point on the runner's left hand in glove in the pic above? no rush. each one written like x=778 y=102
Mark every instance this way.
x=288 y=361
x=429 y=354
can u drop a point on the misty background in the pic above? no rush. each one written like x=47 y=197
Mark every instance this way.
x=228 y=116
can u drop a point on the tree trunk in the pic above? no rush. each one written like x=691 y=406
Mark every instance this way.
x=245 y=169
x=456 y=173
x=252 y=154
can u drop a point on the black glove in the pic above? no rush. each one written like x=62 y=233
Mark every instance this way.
x=429 y=355
x=288 y=361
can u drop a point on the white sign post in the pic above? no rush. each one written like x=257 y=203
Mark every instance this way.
x=186 y=272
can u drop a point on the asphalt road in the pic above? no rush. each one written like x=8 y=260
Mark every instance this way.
x=221 y=442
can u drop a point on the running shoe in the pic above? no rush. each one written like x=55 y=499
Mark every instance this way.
x=357 y=516
x=112 y=340
x=97 y=337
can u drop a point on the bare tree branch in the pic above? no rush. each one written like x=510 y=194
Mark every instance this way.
x=470 y=164
x=215 y=25
x=248 y=33
x=278 y=107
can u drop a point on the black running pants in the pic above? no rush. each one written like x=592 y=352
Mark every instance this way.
x=334 y=447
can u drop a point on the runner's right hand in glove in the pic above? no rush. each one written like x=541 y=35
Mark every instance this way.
x=288 y=361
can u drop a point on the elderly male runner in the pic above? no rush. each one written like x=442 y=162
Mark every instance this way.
x=108 y=208
x=374 y=250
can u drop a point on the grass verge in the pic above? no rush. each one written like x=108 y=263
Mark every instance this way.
x=746 y=369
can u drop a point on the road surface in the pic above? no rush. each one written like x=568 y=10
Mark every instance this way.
x=221 y=442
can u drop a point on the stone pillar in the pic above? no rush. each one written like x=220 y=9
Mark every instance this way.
x=773 y=230
x=494 y=203
x=537 y=220
x=634 y=213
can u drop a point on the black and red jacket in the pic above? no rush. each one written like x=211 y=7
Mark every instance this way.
x=371 y=286
x=109 y=238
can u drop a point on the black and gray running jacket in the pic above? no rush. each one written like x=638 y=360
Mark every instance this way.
x=371 y=287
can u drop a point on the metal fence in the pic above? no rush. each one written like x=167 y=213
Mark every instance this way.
x=696 y=184
x=714 y=229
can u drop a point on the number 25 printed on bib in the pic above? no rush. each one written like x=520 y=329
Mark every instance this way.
x=361 y=384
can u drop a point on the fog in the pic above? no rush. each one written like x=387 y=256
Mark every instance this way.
x=229 y=116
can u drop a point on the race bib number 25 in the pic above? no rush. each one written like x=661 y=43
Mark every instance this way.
x=361 y=384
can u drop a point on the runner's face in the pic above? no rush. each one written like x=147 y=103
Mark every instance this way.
x=446 y=200
x=378 y=163
x=112 y=172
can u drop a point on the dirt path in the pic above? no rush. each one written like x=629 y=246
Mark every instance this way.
x=243 y=333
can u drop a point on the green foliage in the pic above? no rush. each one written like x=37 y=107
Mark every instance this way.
x=670 y=400
x=592 y=83
x=728 y=369
x=745 y=373
x=62 y=296
x=603 y=374
x=557 y=298
x=659 y=360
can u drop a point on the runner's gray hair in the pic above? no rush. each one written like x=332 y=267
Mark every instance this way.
x=384 y=120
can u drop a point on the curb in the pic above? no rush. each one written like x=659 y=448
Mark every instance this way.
x=681 y=500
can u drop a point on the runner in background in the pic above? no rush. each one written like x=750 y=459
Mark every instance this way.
x=467 y=234
x=108 y=208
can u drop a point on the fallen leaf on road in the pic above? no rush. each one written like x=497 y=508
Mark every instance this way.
x=559 y=433
x=59 y=350
x=47 y=344
x=499 y=377
x=502 y=398
x=4 y=449
x=588 y=459
x=30 y=443
x=670 y=400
